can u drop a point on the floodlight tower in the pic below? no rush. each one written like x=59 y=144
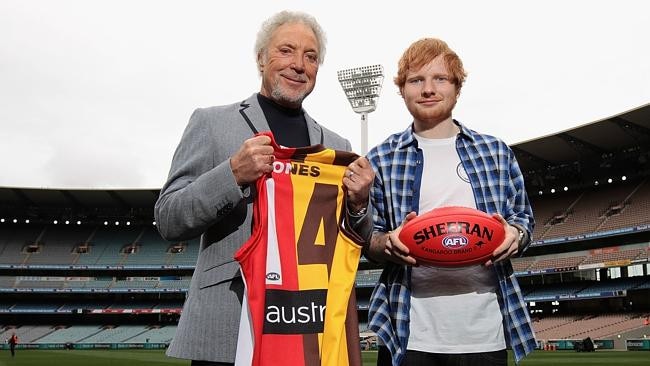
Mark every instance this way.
x=362 y=86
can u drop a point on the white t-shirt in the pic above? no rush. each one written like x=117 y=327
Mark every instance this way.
x=453 y=310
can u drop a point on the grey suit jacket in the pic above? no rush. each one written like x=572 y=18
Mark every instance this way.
x=201 y=197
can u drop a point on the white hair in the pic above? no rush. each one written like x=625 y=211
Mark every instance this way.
x=289 y=17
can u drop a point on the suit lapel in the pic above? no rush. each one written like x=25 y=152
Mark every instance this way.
x=315 y=130
x=253 y=116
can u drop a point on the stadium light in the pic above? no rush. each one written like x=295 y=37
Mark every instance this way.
x=623 y=178
x=2 y=220
x=67 y=222
x=362 y=86
x=15 y=221
x=26 y=221
x=55 y=222
x=78 y=222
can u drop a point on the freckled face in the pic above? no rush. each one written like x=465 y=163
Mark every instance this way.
x=289 y=65
x=430 y=94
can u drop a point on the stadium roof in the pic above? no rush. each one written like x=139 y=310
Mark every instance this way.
x=72 y=198
x=91 y=205
x=614 y=145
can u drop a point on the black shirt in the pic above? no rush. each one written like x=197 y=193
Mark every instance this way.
x=288 y=125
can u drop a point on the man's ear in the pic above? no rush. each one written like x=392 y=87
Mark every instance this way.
x=260 y=62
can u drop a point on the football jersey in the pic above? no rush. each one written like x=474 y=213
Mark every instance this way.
x=299 y=265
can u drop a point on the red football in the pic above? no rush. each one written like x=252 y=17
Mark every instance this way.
x=452 y=236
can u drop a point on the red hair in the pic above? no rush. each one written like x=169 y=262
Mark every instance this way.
x=422 y=52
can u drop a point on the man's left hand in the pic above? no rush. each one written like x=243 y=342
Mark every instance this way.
x=357 y=180
x=510 y=245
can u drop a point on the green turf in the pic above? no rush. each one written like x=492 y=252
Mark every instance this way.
x=157 y=357
x=557 y=358
x=89 y=358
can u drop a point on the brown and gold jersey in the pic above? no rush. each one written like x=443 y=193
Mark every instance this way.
x=299 y=265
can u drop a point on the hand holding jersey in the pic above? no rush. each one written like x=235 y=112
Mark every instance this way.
x=252 y=160
x=357 y=181
x=255 y=158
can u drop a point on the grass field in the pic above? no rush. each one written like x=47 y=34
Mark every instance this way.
x=157 y=357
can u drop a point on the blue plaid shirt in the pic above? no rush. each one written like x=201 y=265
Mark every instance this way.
x=498 y=187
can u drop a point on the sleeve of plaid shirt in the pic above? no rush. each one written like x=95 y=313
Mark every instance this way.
x=520 y=211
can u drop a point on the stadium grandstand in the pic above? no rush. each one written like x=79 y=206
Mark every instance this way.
x=87 y=268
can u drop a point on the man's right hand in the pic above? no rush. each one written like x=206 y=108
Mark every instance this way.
x=253 y=159
x=391 y=248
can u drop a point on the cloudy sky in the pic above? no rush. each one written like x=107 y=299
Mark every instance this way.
x=96 y=94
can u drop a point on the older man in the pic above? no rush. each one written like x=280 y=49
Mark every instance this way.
x=215 y=166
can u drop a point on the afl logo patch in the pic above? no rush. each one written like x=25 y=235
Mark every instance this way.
x=454 y=241
x=272 y=276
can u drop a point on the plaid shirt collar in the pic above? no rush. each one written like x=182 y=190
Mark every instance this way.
x=407 y=137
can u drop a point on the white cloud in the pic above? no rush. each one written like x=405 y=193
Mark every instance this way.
x=97 y=94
